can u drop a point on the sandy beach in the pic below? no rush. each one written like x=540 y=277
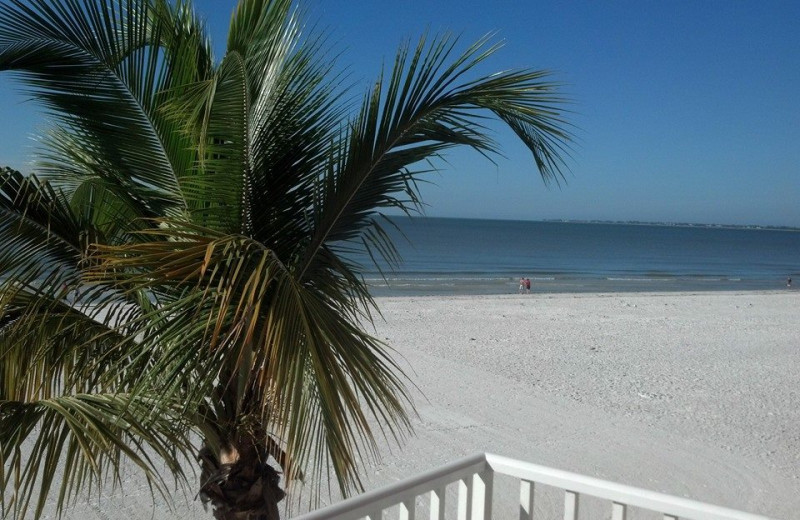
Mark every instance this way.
x=690 y=394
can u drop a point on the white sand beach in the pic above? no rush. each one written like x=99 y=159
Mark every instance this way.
x=695 y=395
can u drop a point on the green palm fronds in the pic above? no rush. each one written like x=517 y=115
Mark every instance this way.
x=180 y=264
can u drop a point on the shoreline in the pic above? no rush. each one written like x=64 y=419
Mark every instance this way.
x=588 y=294
x=696 y=292
x=499 y=286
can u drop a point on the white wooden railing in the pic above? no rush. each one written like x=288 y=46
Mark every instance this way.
x=475 y=477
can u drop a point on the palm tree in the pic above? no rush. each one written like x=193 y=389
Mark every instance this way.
x=179 y=267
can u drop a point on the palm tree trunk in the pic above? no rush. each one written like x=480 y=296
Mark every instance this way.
x=239 y=483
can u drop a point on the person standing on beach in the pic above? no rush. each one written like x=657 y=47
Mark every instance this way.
x=789 y=282
x=528 y=285
x=521 y=285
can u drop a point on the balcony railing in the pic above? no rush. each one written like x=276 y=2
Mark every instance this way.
x=475 y=477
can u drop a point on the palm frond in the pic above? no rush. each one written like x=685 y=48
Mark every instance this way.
x=59 y=338
x=80 y=442
x=97 y=68
x=299 y=359
x=50 y=347
x=294 y=111
x=426 y=108
x=41 y=238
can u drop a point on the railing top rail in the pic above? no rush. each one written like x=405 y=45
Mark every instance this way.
x=365 y=503
x=623 y=494
x=390 y=495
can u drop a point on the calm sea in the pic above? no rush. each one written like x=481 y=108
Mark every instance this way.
x=464 y=256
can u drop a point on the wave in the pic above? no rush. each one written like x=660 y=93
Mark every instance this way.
x=441 y=278
x=623 y=279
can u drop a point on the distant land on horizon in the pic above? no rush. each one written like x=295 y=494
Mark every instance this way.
x=677 y=224
x=627 y=223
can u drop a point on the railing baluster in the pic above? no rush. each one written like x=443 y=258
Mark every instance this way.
x=526 y=494
x=465 y=498
x=437 y=503
x=407 y=509
x=619 y=511
x=482 y=490
x=570 y=505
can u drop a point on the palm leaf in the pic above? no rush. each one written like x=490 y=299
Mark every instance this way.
x=305 y=368
x=426 y=109
x=95 y=68
x=41 y=238
x=294 y=111
x=81 y=441
x=58 y=337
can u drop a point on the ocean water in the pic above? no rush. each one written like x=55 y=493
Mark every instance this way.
x=465 y=256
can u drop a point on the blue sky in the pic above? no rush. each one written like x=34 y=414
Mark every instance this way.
x=685 y=111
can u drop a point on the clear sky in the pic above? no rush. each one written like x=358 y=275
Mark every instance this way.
x=685 y=111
